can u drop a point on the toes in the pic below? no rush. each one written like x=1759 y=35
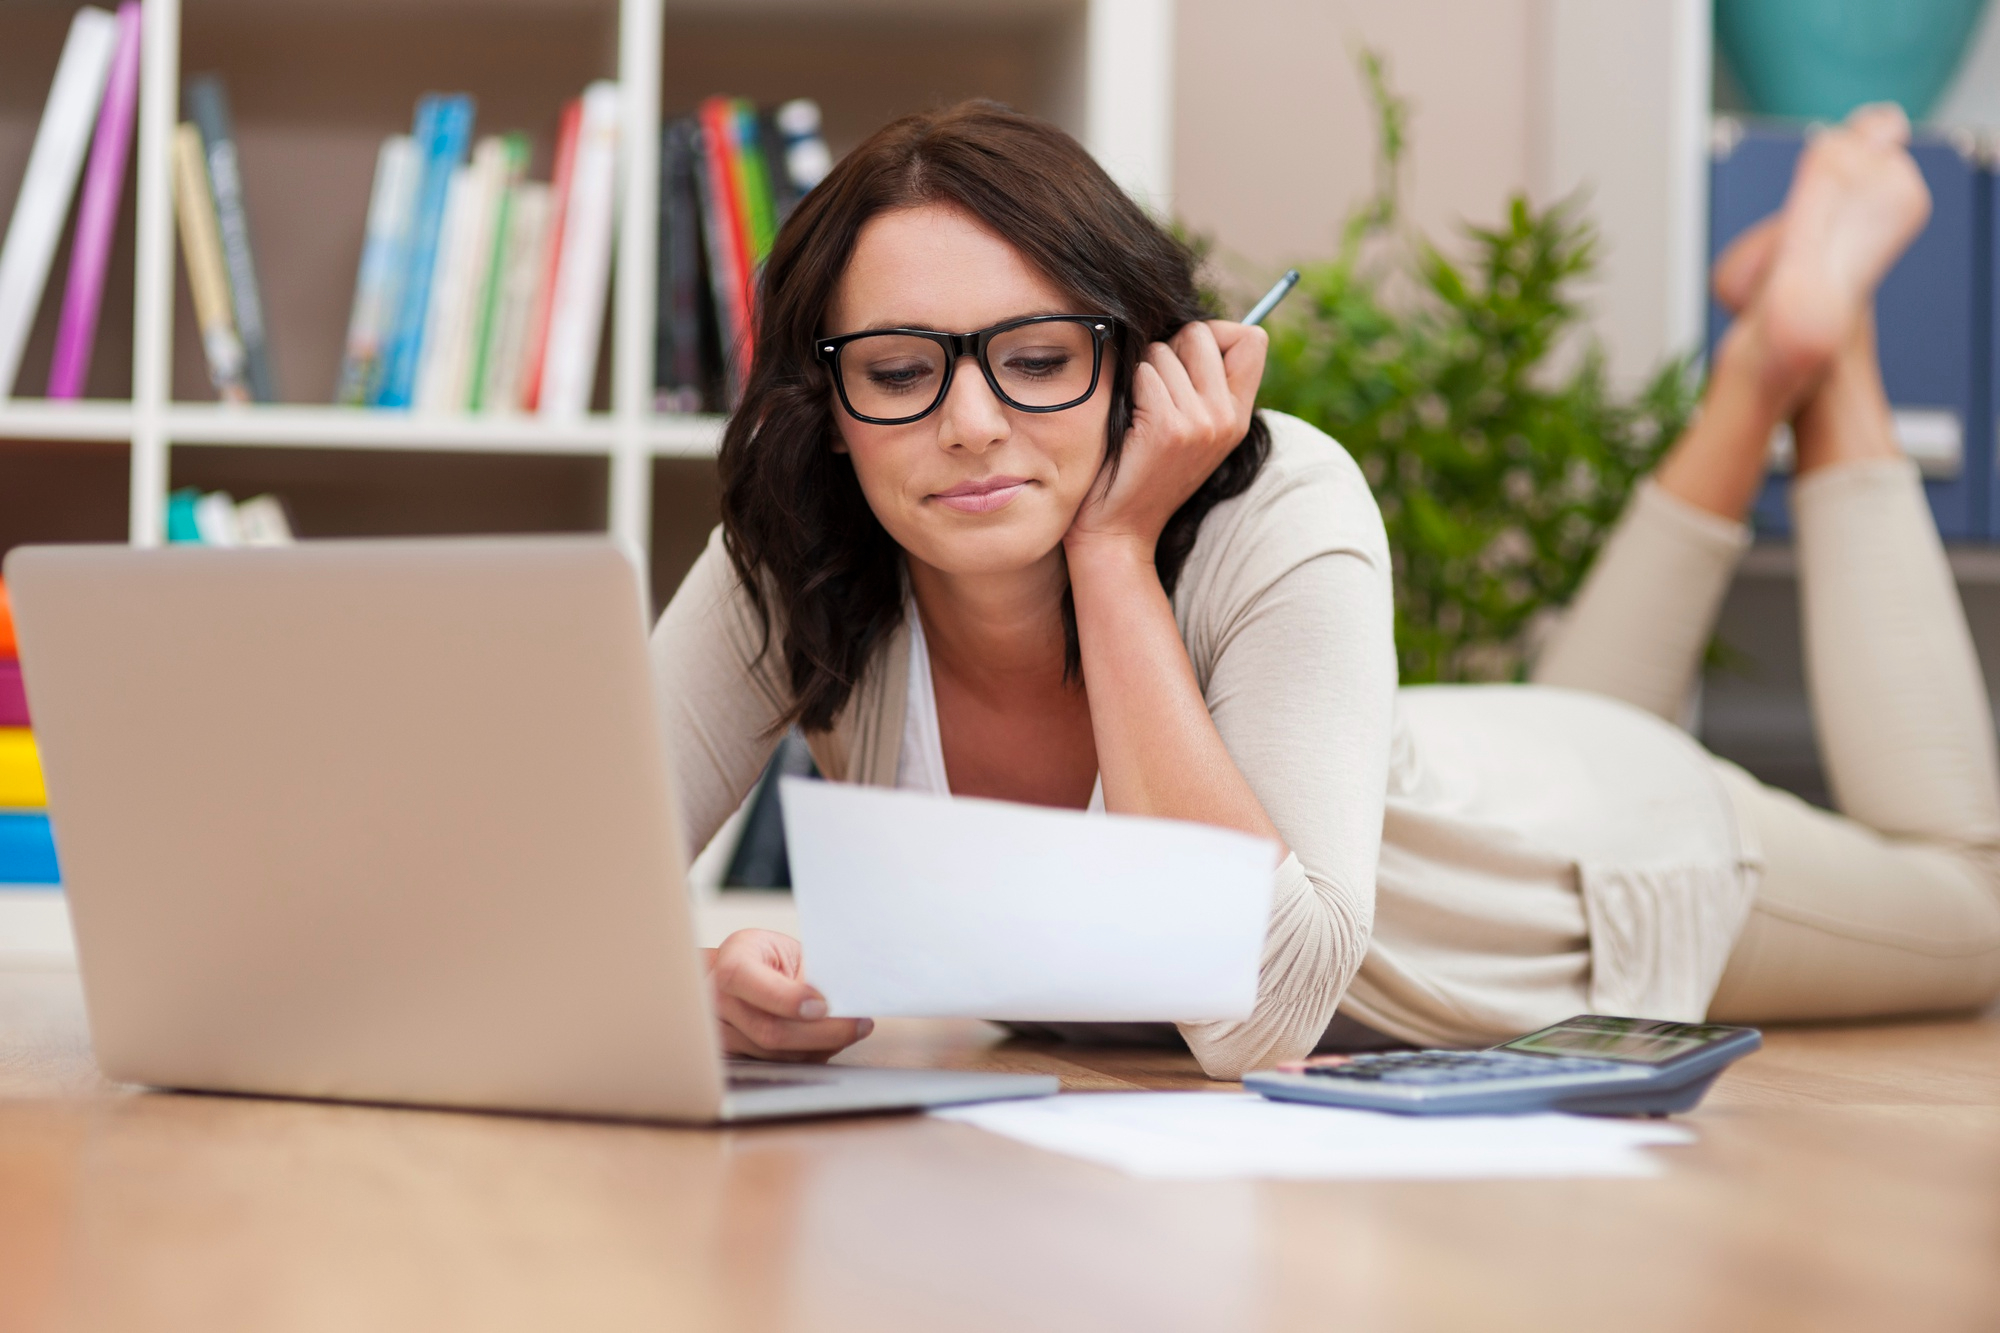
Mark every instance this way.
x=1881 y=123
x=1744 y=265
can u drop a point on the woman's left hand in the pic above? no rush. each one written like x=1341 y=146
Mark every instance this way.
x=1191 y=404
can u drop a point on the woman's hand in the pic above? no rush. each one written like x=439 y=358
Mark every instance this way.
x=766 y=1011
x=1191 y=404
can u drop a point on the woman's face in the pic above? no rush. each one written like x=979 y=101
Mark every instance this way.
x=976 y=487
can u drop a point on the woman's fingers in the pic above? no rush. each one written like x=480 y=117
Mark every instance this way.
x=766 y=1008
x=1244 y=348
x=754 y=975
x=767 y=1035
x=1173 y=373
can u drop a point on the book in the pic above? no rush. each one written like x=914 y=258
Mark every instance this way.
x=215 y=519
x=390 y=202
x=263 y=520
x=685 y=348
x=97 y=215
x=525 y=265
x=441 y=367
x=443 y=132
x=54 y=164
x=8 y=647
x=201 y=243
x=567 y=133
x=20 y=770
x=208 y=107
x=753 y=180
x=513 y=155
x=27 y=848
x=583 y=274
x=722 y=242
x=181 y=524
x=13 y=694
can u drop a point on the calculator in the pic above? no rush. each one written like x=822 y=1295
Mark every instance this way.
x=1592 y=1063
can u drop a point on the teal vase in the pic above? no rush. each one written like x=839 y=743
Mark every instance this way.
x=1819 y=59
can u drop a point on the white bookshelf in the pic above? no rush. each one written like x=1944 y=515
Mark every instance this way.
x=1101 y=67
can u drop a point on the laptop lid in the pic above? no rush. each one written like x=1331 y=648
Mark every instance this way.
x=382 y=821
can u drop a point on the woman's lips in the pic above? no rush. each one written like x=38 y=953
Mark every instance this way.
x=982 y=496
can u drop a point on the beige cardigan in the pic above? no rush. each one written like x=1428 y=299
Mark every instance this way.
x=1466 y=863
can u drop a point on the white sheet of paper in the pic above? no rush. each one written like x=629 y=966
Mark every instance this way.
x=922 y=906
x=1214 y=1135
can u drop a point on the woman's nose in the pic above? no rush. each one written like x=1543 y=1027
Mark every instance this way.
x=972 y=415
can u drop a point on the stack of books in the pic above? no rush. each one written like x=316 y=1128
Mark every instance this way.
x=89 y=111
x=729 y=175
x=480 y=290
x=215 y=518
x=27 y=848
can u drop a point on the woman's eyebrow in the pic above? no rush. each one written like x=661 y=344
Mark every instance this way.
x=890 y=326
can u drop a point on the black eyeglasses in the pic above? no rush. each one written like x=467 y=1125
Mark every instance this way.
x=1043 y=363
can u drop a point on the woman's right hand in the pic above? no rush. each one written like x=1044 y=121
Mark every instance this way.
x=767 y=1010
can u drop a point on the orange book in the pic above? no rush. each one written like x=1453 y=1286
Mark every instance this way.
x=8 y=648
x=545 y=299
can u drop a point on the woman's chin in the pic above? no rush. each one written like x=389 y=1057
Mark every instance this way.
x=987 y=554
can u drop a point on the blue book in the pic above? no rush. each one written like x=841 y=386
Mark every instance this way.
x=27 y=848
x=443 y=132
x=1931 y=319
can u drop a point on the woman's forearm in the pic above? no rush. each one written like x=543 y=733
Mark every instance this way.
x=1158 y=751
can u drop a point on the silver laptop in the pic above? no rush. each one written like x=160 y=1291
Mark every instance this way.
x=388 y=822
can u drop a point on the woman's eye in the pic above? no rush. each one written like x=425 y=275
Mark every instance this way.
x=1038 y=364
x=898 y=376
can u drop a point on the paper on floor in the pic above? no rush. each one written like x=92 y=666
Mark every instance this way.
x=925 y=906
x=1207 y=1135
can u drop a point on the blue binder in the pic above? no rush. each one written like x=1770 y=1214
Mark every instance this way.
x=1933 y=314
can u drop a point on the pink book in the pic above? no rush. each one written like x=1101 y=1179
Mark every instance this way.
x=13 y=695
x=97 y=215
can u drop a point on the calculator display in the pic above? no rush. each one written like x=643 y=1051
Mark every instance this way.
x=1636 y=1040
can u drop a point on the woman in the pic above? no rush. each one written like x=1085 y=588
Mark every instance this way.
x=999 y=520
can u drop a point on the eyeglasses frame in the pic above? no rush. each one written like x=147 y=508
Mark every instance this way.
x=974 y=344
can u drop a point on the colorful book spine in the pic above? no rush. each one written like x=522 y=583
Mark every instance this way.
x=389 y=205
x=754 y=181
x=54 y=164
x=678 y=371
x=20 y=770
x=514 y=151
x=444 y=132
x=567 y=135
x=9 y=646
x=13 y=694
x=208 y=107
x=201 y=242
x=27 y=848
x=583 y=278
x=440 y=370
x=97 y=215
x=723 y=233
x=527 y=232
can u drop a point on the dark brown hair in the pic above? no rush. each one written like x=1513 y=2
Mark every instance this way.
x=818 y=565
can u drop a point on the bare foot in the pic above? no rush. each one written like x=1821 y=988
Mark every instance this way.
x=1739 y=273
x=1857 y=201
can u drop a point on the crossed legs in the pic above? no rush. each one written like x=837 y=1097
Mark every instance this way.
x=1893 y=905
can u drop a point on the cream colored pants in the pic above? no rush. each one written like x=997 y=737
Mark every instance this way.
x=1893 y=905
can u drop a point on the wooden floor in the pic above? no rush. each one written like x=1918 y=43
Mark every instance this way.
x=1845 y=1179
